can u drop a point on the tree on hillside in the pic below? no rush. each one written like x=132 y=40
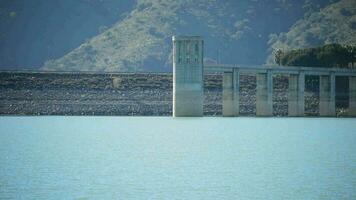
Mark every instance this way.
x=331 y=55
x=278 y=56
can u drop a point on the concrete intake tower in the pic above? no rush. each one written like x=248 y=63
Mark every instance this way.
x=187 y=76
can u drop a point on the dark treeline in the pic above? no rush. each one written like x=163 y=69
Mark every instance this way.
x=330 y=55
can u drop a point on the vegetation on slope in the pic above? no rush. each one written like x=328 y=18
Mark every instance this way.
x=330 y=55
x=133 y=42
x=334 y=24
x=234 y=31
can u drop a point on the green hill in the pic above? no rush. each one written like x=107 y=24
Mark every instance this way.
x=234 y=32
x=139 y=39
x=330 y=55
x=335 y=23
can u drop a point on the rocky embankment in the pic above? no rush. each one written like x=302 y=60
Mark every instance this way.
x=141 y=94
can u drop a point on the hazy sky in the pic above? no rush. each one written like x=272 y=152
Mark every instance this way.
x=33 y=31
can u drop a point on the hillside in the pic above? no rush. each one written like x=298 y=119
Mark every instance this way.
x=34 y=31
x=335 y=23
x=329 y=55
x=234 y=32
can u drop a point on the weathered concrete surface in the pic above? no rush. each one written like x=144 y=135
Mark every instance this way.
x=264 y=106
x=296 y=88
x=327 y=96
x=352 y=93
x=293 y=95
x=187 y=76
x=236 y=83
x=228 y=95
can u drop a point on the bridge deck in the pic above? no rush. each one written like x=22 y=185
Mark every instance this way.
x=279 y=69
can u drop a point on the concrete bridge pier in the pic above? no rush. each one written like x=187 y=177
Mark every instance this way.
x=264 y=105
x=231 y=94
x=352 y=97
x=327 y=95
x=296 y=94
x=236 y=74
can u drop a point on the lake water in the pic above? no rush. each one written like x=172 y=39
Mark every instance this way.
x=177 y=158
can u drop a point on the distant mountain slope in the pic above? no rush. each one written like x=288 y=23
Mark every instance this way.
x=234 y=32
x=335 y=23
x=33 y=31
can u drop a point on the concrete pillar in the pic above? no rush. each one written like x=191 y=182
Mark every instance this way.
x=231 y=93
x=236 y=91
x=269 y=93
x=187 y=76
x=296 y=94
x=228 y=95
x=264 y=106
x=327 y=95
x=352 y=96
x=332 y=94
x=293 y=95
x=301 y=97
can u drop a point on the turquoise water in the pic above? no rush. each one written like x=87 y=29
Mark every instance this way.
x=182 y=158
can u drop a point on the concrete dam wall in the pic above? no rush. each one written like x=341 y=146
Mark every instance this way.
x=141 y=94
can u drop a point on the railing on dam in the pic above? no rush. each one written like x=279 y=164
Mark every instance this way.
x=296 y=87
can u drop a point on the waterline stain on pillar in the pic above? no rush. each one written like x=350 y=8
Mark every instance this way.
x=264 y=106
x=352 y=96
x=187 y=76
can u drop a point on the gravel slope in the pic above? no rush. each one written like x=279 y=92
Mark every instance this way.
x=141 y=94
